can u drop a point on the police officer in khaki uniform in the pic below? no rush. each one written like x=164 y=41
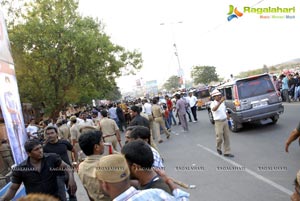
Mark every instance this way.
x=63 y=129
x=75 y=134
x=92 y=145
x=158 y=118
x=110 y=130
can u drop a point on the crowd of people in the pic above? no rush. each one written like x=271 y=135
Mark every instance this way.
x=131 y=169
x=78 y=141
x=289 y=86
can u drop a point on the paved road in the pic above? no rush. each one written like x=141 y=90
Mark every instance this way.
x=260 y=170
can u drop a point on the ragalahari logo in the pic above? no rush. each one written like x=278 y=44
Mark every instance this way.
x=233 y=13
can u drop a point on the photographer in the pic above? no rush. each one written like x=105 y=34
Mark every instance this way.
x=220 y=115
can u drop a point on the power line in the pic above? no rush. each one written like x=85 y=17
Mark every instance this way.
x=221 y=24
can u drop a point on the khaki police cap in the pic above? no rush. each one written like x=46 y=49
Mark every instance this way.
x=112 y=168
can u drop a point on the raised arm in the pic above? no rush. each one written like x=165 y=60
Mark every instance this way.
x=11 y=192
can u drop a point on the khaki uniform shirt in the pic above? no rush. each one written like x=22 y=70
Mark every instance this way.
x=108 y=126
x=87 y=174
x=64 y=132
x=75 y=134
x=156 y=111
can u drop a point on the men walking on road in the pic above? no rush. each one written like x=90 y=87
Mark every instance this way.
x=74 y=133
x=158 y=118
x=147 y=109
x=193 y=104
x=170 y=109
x=181 y=112
x=110 y=130
x=121 y=117
x=220 y=115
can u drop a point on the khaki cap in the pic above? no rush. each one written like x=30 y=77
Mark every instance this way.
x=112 y=168
x=72 y=118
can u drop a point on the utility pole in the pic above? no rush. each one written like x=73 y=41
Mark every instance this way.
x=180 y=71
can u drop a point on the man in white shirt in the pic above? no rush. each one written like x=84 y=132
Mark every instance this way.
x=186 y=99
x=193 y=104
x=32 y=130
x=220 y=115
x=85 y=121
x=147 y=109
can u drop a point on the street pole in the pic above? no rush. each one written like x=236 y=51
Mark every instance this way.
x=180 y=70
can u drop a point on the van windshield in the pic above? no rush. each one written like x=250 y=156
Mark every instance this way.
x=255 y=86
x=203 y=93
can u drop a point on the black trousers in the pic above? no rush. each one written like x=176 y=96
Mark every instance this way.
x=194 y=112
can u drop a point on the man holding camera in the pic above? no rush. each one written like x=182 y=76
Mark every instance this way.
x=220 y=115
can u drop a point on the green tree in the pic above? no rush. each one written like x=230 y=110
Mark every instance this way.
x=62 y=57
x=172 y=83
x=265 y=69
x=204 y=74
x=249 y=73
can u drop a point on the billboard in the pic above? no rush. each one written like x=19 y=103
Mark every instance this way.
x=10 y=99
x=152 y=87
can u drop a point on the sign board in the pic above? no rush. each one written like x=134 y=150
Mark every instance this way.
x=152 y=87
x=10 y=99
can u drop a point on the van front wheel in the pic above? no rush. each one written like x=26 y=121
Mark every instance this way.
x=211 y=118
x=275 y=119
x=234 y=126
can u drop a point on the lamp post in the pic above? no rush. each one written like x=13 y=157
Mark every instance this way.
x=180 y=70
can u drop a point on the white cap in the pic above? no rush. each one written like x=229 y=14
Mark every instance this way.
x=178 y=92
x=215 y=92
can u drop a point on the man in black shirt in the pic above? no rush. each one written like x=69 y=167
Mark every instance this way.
x=121 y=117
x=60 y=147
x=38 y=173
x=138 y=120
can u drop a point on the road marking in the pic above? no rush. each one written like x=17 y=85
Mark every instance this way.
x=256 y=175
